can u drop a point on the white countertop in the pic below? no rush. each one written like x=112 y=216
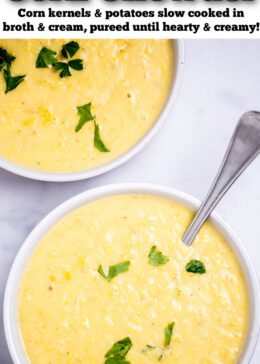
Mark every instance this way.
x=221 y=81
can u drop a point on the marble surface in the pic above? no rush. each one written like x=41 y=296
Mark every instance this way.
x=221 y=81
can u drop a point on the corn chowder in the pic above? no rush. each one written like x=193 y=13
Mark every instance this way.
x=113 y=283
x=73 y=105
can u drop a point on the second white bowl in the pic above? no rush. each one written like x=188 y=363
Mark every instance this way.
x=11 y=322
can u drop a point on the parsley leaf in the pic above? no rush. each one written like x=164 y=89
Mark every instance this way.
x=120 y=348
x=148 y=348
x=195 y=266
x=114 y=270
x=85 y=115
x=76 y=64
x=45 y=58
x=6 y=59
x=12 y=82
x=168 y=333
x=154 y=352
x=70 y=49
x=157 y=258
x=98 y=143
x=64 y=67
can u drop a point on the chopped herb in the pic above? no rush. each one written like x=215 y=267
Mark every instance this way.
x=153 y=352
x=64 y=67
x=70 y=49
x=147 y=348
x=195 y=266
x=114 y=270
x=157 y=258
x=45 y=58
x=120 y=348
x=118 y=352
x=85 y=115
x=168 y=334
x=76 y=64
x=12 y=82
x=98 y=143
x=150 y=346
x=6 y=59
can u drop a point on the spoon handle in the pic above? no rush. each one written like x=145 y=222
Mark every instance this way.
x=242 y=150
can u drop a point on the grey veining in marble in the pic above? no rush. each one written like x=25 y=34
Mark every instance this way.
x=221 y=81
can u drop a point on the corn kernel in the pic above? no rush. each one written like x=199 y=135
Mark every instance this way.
x=81 y=260
x=52 y=278
x=67 y=275
x=27 y=122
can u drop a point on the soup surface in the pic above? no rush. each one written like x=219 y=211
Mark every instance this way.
x=126 y=82
x=71 y=313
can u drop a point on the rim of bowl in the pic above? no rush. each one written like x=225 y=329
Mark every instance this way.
x=96 y=171
x=10 y=310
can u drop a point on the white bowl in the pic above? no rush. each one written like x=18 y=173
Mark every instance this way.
x=92 y=172
x=11 y=324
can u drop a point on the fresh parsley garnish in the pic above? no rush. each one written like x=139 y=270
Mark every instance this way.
x=46 y=57
x=114 y=270
x=168 y=334
x=120 y=348
x=85 y=115
x=118 y=352
x=75 y=64
x=195 y=266
x=64 y=67
x=148 y=348
x=12 y=82
x=70 y=49
x=98 y=143
x=157 y=258
x=6 y=59
x=155 y=352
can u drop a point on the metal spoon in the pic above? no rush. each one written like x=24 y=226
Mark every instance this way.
x=242 y=150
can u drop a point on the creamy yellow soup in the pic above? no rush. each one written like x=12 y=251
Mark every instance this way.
x=69 y=313
x=126 y=81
